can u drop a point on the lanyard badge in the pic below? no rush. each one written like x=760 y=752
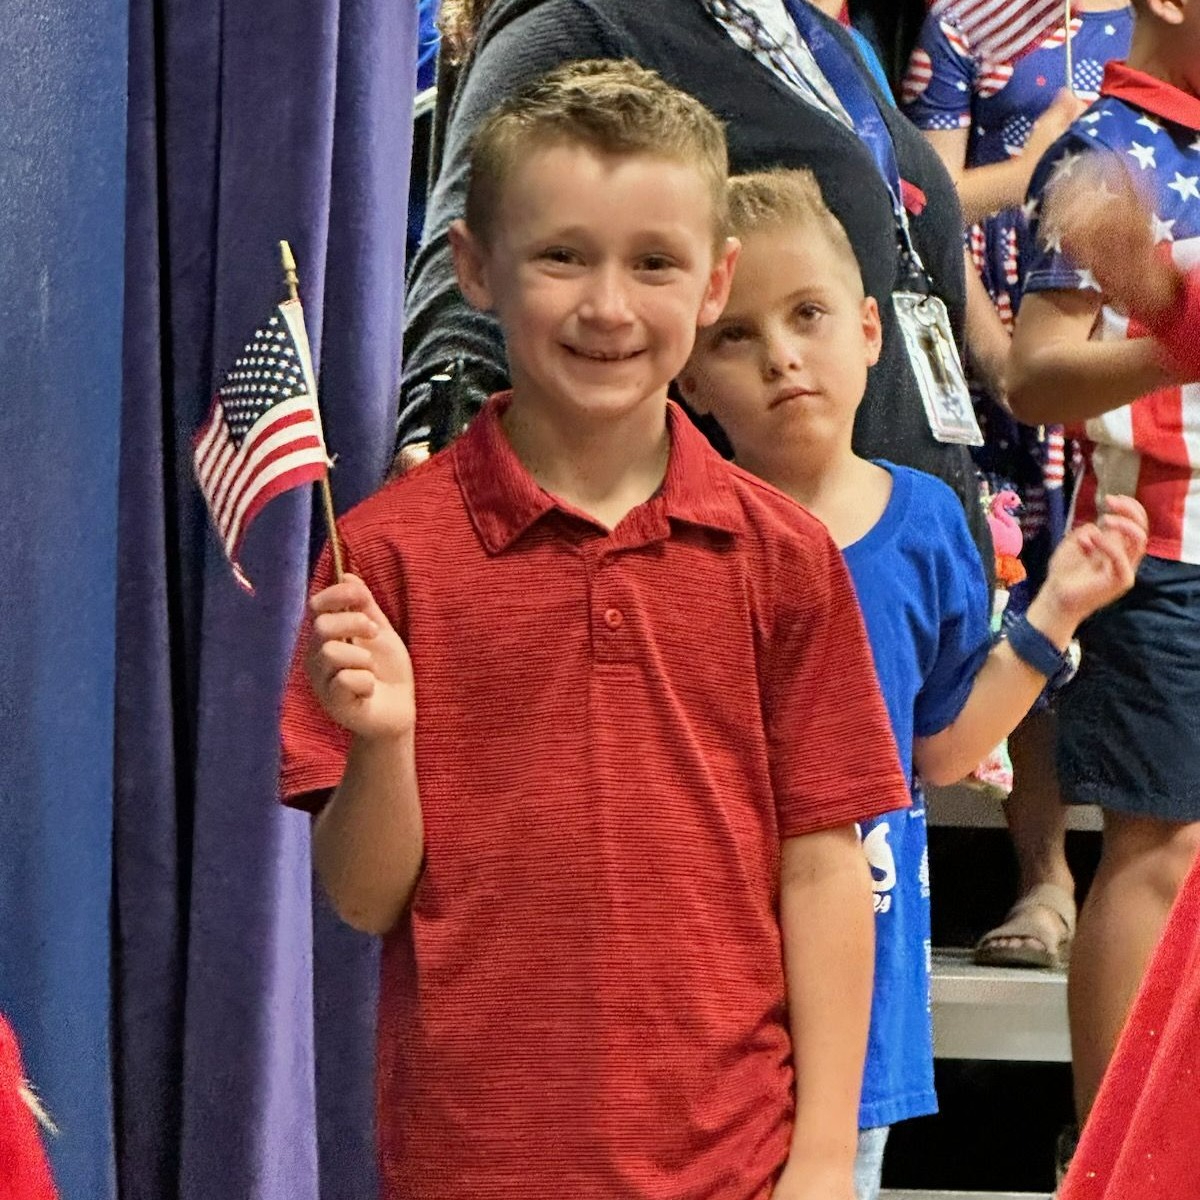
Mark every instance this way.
x=922 y=316
x=925 y=326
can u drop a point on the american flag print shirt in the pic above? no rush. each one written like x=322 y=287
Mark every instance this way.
x=948 y=85
x=1149 y=448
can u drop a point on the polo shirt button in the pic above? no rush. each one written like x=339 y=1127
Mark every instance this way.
x=614 y=618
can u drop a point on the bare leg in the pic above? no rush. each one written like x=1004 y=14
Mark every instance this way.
x=1142 y=867
x=1037 y=823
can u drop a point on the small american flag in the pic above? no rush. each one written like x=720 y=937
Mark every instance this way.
x=1001 y=30
x=263 y=432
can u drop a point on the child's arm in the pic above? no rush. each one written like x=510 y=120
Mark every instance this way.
x=828 y=925
x=1094 y=565
x=368 y=842
x=1057 y=373
x=985 y=190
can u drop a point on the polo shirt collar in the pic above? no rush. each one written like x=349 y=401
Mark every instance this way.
x=1152 y=95
x=504 y=501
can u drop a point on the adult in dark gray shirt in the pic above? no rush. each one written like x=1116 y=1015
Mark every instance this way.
x=769 y=124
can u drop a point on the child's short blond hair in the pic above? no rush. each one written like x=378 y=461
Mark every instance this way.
x=612 y=107
x=771 y=200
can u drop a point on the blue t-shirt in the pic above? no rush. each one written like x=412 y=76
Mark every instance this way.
x=924 y=601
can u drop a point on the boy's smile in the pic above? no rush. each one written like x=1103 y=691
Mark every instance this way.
x=599 y=269
x=784 y=367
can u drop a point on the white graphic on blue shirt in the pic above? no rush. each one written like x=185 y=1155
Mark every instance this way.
x=924 y=601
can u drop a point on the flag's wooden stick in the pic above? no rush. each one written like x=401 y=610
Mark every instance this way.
x=291 y=278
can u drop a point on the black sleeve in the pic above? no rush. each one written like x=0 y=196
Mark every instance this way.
x=441 y=328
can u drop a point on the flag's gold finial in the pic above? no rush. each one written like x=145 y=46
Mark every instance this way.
x=289 y=269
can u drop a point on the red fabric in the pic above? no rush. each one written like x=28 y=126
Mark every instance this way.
x=1176 y=329
x=1141 y=1141
x=1149 y=448
x=914 y=198
x=614 y=730
x=24 y=1171
x=1151 y=94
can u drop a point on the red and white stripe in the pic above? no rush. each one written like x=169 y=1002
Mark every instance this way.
x=957 y=39
x=1055 y=468
x=917 y=77
x=1149 y=449
x=1001 y=30
x=993 y=79
x=1058 y=37
x=283 y=449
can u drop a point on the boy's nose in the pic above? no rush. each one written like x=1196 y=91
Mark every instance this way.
x=780 y=355
x=606 y=301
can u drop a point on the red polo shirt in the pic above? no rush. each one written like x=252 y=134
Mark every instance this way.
x=614 y=731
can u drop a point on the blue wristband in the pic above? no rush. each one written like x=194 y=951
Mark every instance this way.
x=1036 y=650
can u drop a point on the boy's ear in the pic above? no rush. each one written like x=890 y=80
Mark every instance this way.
x=470 y=265
x=691 y=391
x=716 y=295
x=872 y=328
x=1170 y=11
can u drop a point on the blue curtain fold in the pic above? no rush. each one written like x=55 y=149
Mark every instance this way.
x=62 y=96
x=244 y=1015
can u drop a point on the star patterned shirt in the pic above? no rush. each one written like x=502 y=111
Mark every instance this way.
x=1150 y=448
x=948 y=86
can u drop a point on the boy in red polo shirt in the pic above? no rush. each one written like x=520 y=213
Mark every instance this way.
x=599 y=717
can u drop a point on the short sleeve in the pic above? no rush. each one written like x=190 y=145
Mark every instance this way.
x=963 y=627
x=833 y=755
x=940 y=81
x=1044 y=265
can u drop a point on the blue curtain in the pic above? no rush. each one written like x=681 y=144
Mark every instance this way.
x=62 y=105
x=197 y=1022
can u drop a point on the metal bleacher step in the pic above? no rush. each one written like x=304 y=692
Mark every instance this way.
x=1004 y=1013
x=961 y=806
x=903 y=1195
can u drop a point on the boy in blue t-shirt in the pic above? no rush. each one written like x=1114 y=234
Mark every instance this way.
x=783 y=370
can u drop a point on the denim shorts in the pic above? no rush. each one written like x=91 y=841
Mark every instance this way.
x=868 y=1164
x=1129 y=722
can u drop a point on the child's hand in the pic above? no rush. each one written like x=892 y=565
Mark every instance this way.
x=1105 y=224
x=1096 y=563
x=1052 y=124
x=357 y=663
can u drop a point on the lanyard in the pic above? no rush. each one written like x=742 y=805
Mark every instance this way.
x=855 y=95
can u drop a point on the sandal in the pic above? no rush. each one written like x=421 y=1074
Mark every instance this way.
x=1021 y=923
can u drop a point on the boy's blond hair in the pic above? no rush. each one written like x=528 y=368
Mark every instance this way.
x=612 y=107
x=773 y=200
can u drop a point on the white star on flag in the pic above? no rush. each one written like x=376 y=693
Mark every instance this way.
x=1065 y=165
x=1185 y=186
x=1110 y=30
x=1149 y=123
x=1143 y=154
x=1162 y=229
x=1088 y=280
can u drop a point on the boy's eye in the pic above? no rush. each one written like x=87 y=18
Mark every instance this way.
x=730 y=335
x=655 y=262
x=808 y=311
x=559 y=254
